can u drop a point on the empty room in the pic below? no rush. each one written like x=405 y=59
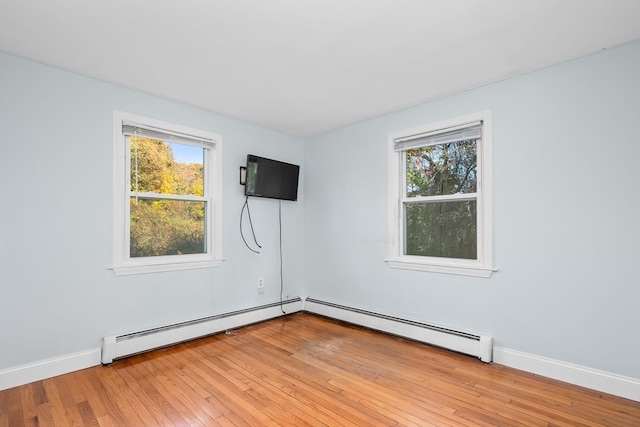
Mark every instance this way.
x=321 y=213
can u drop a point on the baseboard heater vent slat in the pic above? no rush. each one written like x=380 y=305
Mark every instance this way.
x=119 y=346
x=479 y=346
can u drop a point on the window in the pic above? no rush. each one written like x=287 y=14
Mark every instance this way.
x=440 y=197
x=167 y=186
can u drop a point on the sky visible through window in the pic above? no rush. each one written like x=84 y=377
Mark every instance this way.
x=186 y=153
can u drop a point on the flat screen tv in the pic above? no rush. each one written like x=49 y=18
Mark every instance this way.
x=271 y=178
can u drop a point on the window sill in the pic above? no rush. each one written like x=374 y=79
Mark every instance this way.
x=461 y=270
x=142 y=268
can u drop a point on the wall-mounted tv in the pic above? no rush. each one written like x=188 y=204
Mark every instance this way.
x=271 y=178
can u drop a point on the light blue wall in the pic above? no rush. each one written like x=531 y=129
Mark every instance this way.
x=566 y=174
x=566 y=217
x=57 y=296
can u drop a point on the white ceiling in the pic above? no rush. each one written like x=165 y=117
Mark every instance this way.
x=306 y=67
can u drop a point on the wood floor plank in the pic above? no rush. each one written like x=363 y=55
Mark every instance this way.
x=13 y=404
x=344 y=380
x=291 y=366
x=277 y=372
x=88 y=417
x=306 y=370
x=225 y=391
x=63 y=411
x=270 y=357
x=263 y=388
x=170 y=382
x=195 y=379
x=28 y=401
x=159 y=405
x=83 y=380
x=158 y=381
x=61 y=396
x=45 y=418
x=130 y=390
x=106 y=421
x=601 y=411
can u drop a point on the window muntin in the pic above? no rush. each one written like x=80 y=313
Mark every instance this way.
x=166 y=196
x=440 y=197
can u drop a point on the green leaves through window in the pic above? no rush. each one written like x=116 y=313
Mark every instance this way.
x=440 y=197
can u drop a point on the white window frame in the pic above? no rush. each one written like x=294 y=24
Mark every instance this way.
x=123 y=264
x=483 y=265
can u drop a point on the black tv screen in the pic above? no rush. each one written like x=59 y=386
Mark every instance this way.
x=271 y=178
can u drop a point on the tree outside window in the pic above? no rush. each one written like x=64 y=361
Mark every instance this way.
x=440 y=197
x=174 y=224
x=167 y=187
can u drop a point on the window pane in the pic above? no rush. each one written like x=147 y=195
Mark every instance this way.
x=442 y=169
x=444 y=229
x=167 y=227
x=166 y=168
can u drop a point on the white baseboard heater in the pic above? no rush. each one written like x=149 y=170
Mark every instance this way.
x=118 y=346
x=479 y=346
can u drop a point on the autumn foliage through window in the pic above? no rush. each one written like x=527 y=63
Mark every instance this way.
x=167 y=207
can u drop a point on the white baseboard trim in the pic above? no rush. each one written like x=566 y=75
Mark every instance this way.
x=28 y=373
x=594 y=379
x=24 y=374
x=605 y=382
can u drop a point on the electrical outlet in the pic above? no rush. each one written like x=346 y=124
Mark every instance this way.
x=260 y=285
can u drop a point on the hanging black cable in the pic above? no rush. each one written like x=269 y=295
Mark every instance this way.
x=281 y=275
x=246 y=206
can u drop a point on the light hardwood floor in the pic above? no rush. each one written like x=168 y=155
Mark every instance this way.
x=307 y=370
